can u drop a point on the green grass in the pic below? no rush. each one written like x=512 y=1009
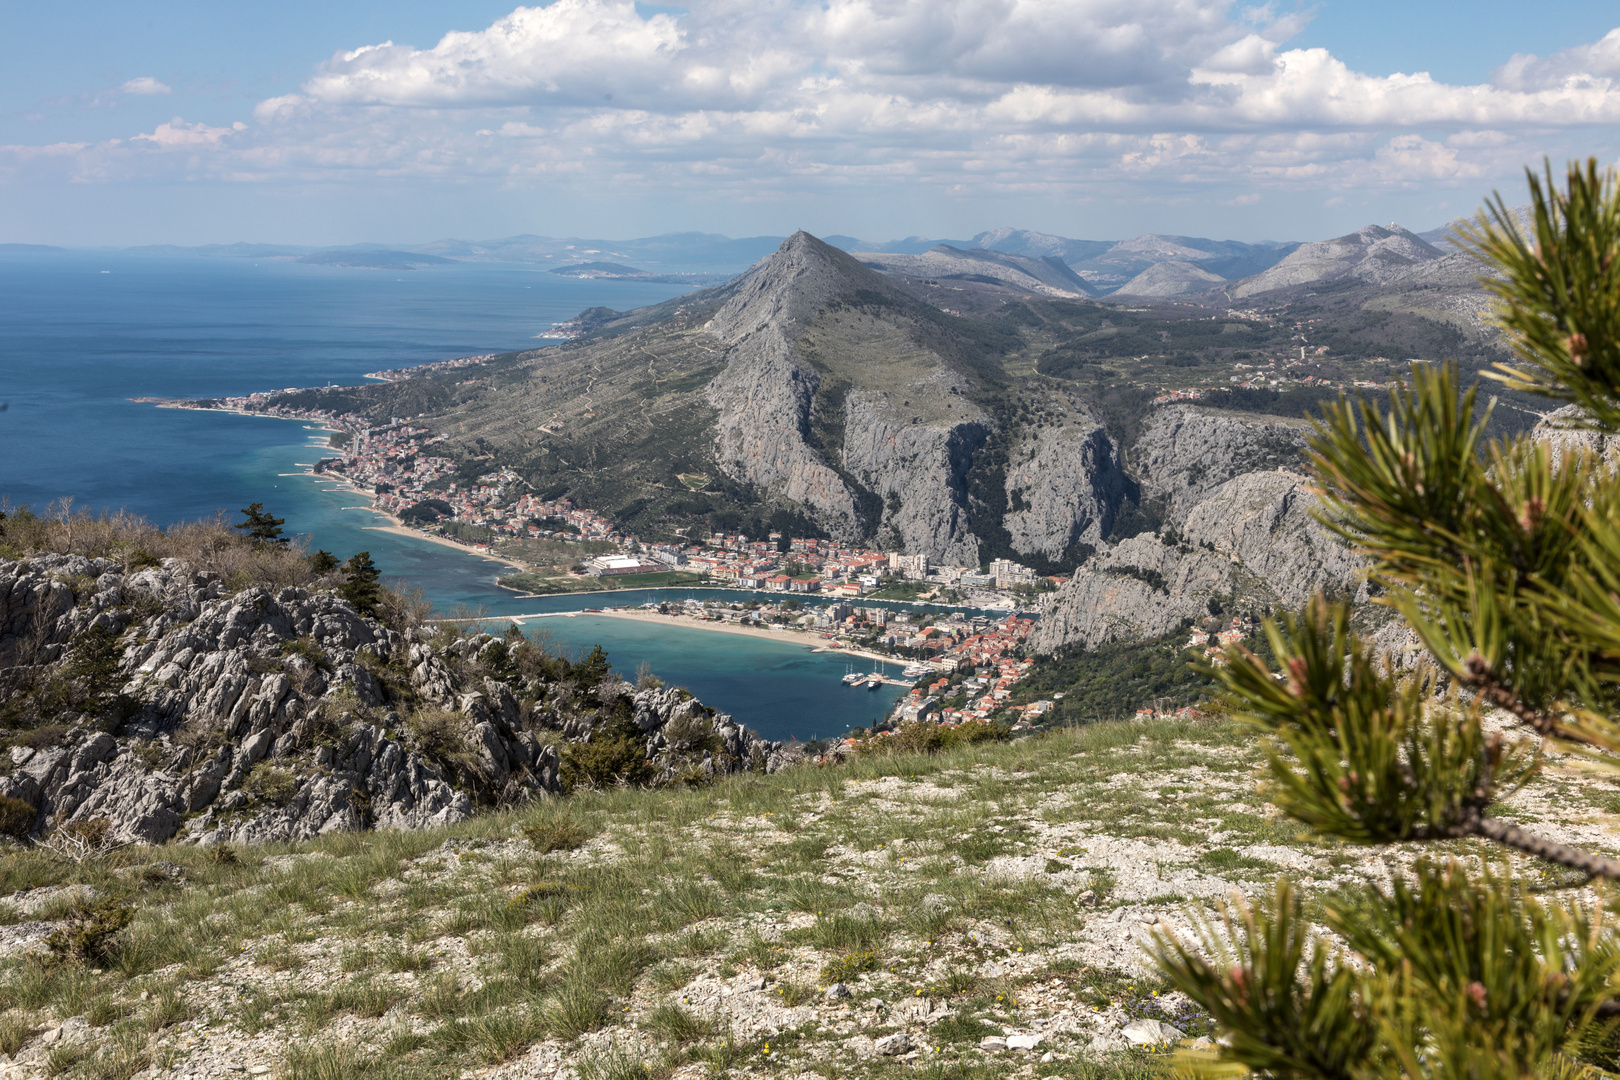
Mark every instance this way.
x=595 y=914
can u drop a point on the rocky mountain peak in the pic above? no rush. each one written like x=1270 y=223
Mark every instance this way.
x=1372 y=253
x=1173 y=277
x=789 y=288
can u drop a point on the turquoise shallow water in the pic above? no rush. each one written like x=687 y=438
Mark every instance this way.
x=76 y=343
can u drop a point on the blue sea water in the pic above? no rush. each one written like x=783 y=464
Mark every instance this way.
x=82 y=333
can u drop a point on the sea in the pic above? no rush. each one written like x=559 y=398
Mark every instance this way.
x=82 y=333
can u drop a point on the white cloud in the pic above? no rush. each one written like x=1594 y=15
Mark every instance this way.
x=146 y=85
x=765 y=98
x=177 y=133
x=1583 y=66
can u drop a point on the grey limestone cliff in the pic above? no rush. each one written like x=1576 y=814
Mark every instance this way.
x=252 y=715
x=1064 y=485
x=908 y=433
x=1236 y=534
x=1185 y=452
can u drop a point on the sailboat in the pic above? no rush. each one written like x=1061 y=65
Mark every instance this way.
x=874 y=680
x=851 y=676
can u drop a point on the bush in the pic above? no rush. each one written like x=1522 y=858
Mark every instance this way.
x=557 y=834
x=846 y=968
x=615 y=756
x=16 y=817
x=270 y=784
x=929 y=738
x=90 y=932
x=437 y=734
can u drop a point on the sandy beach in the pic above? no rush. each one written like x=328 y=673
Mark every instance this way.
x=813 y=641
x=400 y=530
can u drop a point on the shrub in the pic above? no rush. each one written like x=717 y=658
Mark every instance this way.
x=90 y=932
x=556 y=834
x=846 y=968
x=437 y=734
x=924 y=737
x=616 y=756
x=16 y=817
x=270 y=784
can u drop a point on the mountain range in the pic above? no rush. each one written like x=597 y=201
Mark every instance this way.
x=965 y=404
x=1147 y=266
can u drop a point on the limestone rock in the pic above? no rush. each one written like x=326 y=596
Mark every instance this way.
x=893 y=1045
x=1063 y=487
x=1252 y=536
x=268 y=717
x=1185 y=452
x=1152 y=1033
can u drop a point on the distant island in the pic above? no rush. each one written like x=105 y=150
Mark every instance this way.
x=610 y=271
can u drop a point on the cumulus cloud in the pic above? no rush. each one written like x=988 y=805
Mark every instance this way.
x=1586 y=66
x=145 y=85
x=761 y=98
x=177 y=133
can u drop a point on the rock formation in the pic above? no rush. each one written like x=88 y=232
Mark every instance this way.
x=1184 y=452
x=1064 y=485
x=1239 y=529
x=170 y=706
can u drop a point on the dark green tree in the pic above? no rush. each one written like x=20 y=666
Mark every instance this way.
x=360 y=583
x=590 y=671
x=1503 y=557
x=323 y=562
x=260 y=527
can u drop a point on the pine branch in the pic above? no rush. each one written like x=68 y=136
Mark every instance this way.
x=1478 y=674
x=1509 y=835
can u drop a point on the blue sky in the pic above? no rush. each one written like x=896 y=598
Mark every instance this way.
x=309 y=122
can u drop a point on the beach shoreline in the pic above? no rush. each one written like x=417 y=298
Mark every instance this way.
x=399 y=529
x=815 y=642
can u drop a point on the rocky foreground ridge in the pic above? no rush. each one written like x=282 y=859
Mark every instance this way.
x=159 y=703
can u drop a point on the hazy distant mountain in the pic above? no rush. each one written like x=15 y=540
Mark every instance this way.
x=911 y=245
x=1229 y=259
x=1049 y=276
x=28 y=249
x=1103 y=265
x=1037 y=245
x=1172 y=277
x=672 y=251
x=1443 y=237
x=1372 y=254
x=225 y=251
x=374 y=260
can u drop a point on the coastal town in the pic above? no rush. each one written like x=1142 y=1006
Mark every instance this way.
x=961 y=666
x=394 y=463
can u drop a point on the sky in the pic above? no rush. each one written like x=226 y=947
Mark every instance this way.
x=404 y=121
